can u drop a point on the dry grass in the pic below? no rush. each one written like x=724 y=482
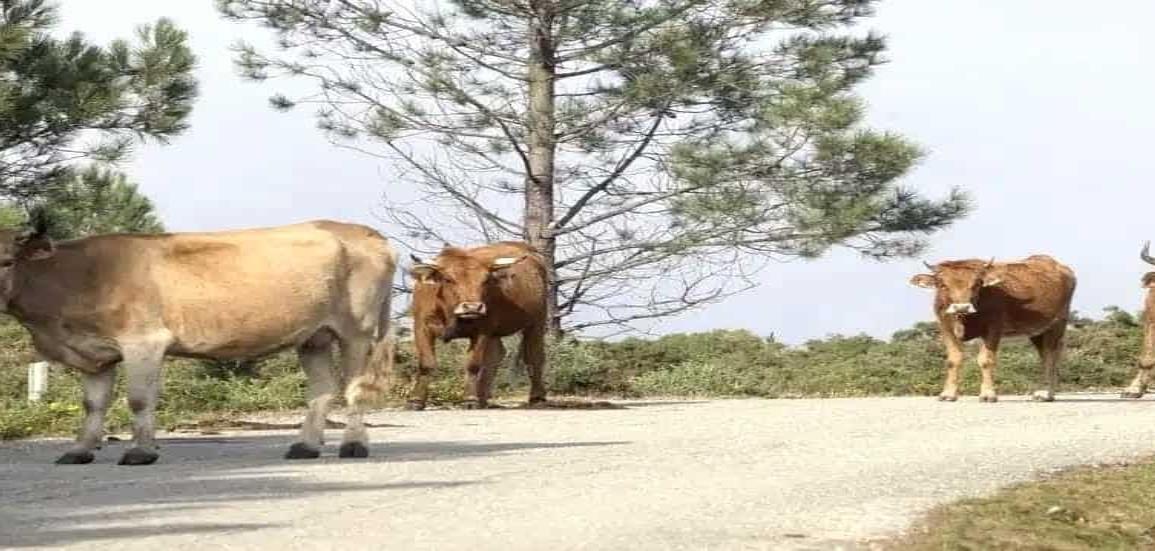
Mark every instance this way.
x=1105 y=507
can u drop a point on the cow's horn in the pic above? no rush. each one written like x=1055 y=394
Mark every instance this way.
x=414 y=258
x=1145 y=254
x=505 y=261
x=928 y=265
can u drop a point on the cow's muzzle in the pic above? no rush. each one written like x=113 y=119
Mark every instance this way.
x=961 y=308
x=469 y=310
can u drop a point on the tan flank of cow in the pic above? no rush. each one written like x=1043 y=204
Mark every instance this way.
x=1147 y=355
x=483 y=294
x=97 y=302
x=991 y=300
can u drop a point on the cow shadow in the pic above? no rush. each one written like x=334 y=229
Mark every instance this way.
x=52 y=505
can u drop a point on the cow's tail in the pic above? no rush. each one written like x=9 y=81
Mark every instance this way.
x=374 y=379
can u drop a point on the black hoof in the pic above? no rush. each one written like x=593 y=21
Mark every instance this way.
x=353 y=449
x=302 y=451
x=989 y=399
x=1131 y=395
x=472 y=404
x=75 y=458
x=137 y=456
x=415 y=405
x=944 y=398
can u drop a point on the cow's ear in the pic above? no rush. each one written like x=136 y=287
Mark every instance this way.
x=926 y=281
x=504 y=262
x=424 y=273
x=1149 y=280
x=35 y=244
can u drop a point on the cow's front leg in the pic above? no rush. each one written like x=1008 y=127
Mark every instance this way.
x=424 y=345
x=142 y=369
x=954 y=359
x=97 y=397
x=485 y=356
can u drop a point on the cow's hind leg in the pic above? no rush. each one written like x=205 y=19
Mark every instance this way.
x=533 y=354
x=1146 y=362
x=1050 y=348
x=97 y=397
x=142 y=370
x=316 y=357
x=355 y=357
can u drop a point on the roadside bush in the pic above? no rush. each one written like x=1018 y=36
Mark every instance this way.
x=1099 y=355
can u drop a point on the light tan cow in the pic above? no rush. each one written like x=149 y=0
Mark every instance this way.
x=97 y=302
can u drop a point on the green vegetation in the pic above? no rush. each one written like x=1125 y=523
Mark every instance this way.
x=91 y=201
x=63 y=100
x=733 y=363
x=95 y=201
x=1087 y=508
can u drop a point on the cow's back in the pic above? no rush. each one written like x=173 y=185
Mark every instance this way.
x=233 y=293
x=227 y=294
x=1034 y=294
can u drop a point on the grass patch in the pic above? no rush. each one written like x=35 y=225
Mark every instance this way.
x=1085 y=508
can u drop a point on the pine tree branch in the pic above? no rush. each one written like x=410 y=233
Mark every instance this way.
x=618 y=170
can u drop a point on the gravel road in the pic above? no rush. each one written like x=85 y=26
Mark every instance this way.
x=728 y=474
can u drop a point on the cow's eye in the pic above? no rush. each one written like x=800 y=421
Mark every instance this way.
x=7 y=263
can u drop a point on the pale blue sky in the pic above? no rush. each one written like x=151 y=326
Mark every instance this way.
x=1042 y=111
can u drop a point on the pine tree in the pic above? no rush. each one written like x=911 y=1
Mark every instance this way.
x=657 y=152
x=63 y=100
x=92 y=201
x=96 y=201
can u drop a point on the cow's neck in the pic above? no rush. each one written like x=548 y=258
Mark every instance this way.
x=35 y=300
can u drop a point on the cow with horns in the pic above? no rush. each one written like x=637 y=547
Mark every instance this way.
x=1147 y=355
x=481 y=294
x=990 y=300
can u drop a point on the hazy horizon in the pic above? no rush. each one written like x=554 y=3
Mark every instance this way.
x=1040 y=114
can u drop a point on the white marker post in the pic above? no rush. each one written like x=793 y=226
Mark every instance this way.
x=37 y=380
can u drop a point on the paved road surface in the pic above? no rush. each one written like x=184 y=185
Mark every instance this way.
x=735 y=474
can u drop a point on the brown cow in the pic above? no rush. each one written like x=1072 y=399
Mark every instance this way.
x=989 y=300
x=96 y=302
x=483 y=294
x=1147 y=355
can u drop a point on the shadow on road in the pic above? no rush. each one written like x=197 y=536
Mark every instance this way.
x=46 y=504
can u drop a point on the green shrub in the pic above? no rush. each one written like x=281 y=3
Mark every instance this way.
x=1099 y=355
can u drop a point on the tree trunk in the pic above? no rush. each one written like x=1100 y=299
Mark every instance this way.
x=539 y=212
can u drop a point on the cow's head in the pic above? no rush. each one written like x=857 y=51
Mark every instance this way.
x=957 y=284
x=19 y=246
x=1149 y=277
x=462 y=283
